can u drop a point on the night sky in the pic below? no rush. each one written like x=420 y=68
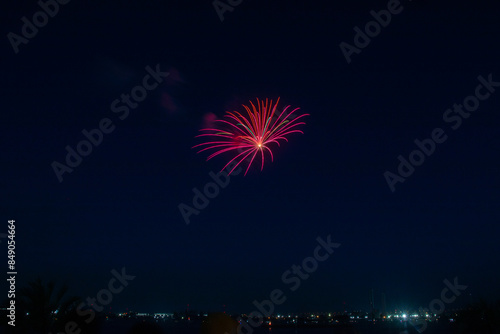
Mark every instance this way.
x=119 y=208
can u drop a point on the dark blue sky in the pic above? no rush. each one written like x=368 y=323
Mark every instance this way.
x=119 y=207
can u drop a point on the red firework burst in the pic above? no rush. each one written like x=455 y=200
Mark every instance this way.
x=248 y=135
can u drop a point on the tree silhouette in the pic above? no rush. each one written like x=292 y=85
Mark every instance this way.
x=42 y=309
x=43 y=306
x=219 y=323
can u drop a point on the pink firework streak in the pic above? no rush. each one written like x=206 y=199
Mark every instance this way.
x=250 y=134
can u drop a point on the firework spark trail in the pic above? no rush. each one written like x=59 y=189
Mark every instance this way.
x=250 y=134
